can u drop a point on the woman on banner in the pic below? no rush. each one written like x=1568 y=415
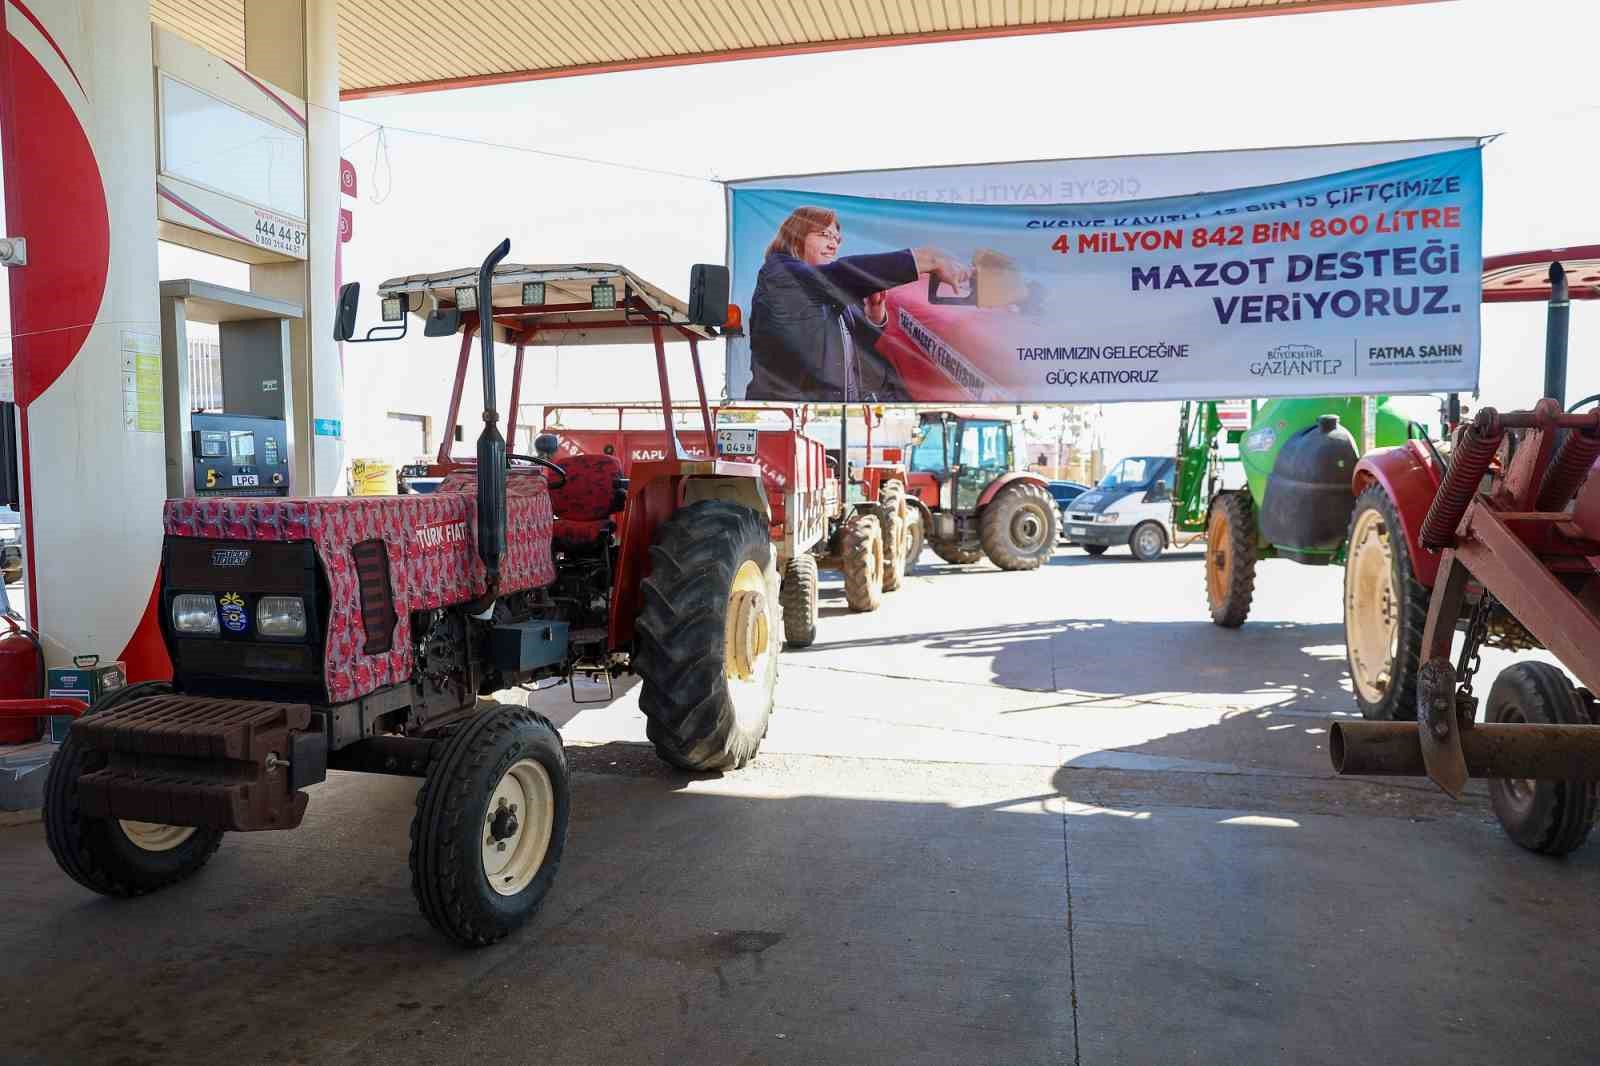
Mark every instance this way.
x=815 y=317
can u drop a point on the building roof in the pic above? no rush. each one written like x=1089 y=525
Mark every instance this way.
x=397 y=46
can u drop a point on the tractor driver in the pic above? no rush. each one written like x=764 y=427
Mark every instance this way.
x=815 y=317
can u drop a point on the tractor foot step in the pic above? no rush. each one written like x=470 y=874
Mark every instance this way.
x=220 y=764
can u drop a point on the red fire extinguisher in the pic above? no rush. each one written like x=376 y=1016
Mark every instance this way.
x=21 y=678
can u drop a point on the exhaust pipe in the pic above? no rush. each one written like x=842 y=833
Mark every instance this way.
x=491 y=445
x=1394 y=749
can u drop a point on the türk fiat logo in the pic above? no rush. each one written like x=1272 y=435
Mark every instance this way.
x=230 y=557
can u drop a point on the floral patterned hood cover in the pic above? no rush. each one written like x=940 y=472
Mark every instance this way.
x=433 y=559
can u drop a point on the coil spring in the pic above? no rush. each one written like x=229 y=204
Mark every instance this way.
x=1470 y=461
x=1568 y=470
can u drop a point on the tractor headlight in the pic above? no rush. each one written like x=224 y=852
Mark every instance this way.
x=196 y=613
x=1110 y=516
x=281 y=616
x=467 y=298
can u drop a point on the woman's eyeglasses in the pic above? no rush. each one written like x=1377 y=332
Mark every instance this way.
x=833 y=235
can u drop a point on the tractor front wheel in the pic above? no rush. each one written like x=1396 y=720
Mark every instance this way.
x=115 y=856
x=491 y=824
x=862 y=558
x=1385 y=611
x=1550 y=817
x=916 y=535
x=706 y=639
x=1231 y=559
x=798 y=597
x=1018 y=527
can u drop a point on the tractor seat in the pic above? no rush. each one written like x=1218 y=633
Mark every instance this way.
x=594 y=491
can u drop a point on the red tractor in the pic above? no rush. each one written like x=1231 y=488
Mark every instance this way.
x=1498 y=536
x=794 y=470
x=973 y=497
x=362 y=633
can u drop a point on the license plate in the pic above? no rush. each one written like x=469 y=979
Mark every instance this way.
x=736 y=441
x=241 y=481
x=1076 y=531
x=414 y=470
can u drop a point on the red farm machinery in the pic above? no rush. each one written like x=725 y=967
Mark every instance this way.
x=1498 y=535
x=363 y=633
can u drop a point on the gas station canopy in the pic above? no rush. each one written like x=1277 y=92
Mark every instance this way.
x=399 y=46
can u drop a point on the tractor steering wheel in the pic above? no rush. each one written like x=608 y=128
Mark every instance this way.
x=539 y=460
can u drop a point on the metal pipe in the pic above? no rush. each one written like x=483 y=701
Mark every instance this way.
x=454 y=417
x=1394 y=749
x=491 y=445
x=1555 y=335
x=705 y=408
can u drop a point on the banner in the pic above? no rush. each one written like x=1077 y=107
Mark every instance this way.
x=1362 y=281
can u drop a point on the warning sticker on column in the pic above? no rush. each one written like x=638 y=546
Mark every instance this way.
x=141 y=382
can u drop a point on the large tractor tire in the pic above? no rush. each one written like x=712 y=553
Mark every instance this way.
x=1550 y=817
x=916 y=535
x=490 y=825
x=895 y=521
x=1018 y=527
x=952 y=552
x=862 y=559
x=1385 y=611
x=113 y=856
x=798 y=597
x=1231 y=559
x=707 y=635
x=892 y=528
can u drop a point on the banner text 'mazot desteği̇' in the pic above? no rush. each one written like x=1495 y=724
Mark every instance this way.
x=1363 y=281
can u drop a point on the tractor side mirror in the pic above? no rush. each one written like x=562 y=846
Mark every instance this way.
x=708 y=294
x=442 y=322
x=344 y=326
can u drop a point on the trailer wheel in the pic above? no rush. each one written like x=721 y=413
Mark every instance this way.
x=1231 y=559
x=707 y=636
x=491 y=824
x=893 y=518
x=952 y=552
x=1385 y=611
x=861 y=557
x=1550 y=817
x=798 y=598
x=1018 y=527
x=113 y=856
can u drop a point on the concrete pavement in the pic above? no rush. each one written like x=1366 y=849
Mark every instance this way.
x=1010 y=818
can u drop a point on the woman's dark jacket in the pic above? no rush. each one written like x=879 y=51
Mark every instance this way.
x=797 y=348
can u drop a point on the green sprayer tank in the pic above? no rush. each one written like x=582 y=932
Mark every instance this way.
x=1284 y=497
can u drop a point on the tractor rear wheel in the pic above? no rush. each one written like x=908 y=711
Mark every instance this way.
x=862 y=558
x=491 y=824
x=893 y=518
x=798 y=597
x=1231 y=559
x=953 y=552
x=1385 y=611
x=1550 y=817
x=114 y=856
x=1018 y=527
x=706 y=639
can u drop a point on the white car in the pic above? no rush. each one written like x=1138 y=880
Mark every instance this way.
x=1131 y=507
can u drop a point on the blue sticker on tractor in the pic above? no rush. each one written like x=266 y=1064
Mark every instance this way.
x=234 y=617
x=328 y=427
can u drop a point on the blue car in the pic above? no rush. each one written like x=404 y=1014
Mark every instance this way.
x=1064 y=492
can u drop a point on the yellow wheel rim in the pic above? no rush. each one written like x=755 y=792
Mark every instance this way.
x=155 y=836
x=517 y=827
x=1371 y=607
x=747 y=642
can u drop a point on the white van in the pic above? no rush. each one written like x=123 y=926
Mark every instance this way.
x=1130 y=507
